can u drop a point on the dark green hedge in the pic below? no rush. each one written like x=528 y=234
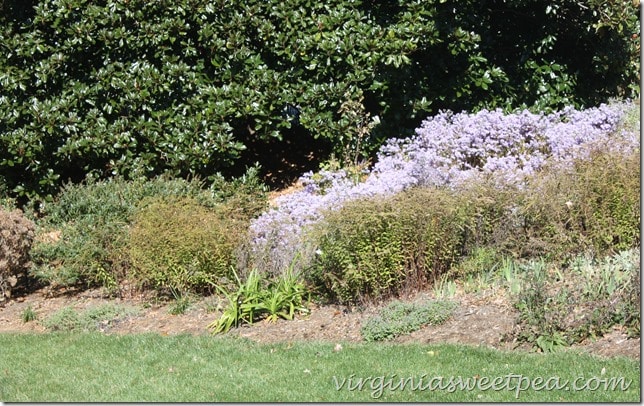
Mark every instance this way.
x=140 y=87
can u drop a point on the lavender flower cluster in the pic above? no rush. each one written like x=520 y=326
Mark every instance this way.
x=447 y=150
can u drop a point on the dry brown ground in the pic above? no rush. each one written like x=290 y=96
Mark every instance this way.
x=481 y=319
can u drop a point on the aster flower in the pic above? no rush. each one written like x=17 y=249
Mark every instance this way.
x=447 y=150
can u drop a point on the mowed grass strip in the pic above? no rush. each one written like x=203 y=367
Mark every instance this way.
x=92 y=367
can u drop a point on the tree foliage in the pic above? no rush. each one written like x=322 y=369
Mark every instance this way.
x=138 y=88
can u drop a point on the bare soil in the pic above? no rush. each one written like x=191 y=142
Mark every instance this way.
x=482 y=319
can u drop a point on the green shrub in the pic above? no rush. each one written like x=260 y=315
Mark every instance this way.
x=83 y=253
x=181 y=303
x=592 y=206
x=84 y=232
x=138 y=88
x=399 y=318
x=494 y=226
x=373 y=248
x=246 y=196
x=84 y=229
x=589 y=204
x=177 y=244
x=16 y=238
x=481 y=259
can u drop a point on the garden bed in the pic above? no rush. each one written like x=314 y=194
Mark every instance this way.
x=484 y=318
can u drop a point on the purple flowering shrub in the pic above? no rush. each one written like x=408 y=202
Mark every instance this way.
x=447 y=150
x=451 y=148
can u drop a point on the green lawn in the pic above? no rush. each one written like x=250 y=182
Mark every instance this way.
x=68 y=367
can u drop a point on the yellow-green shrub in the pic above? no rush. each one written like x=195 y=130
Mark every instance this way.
x=179 y=245
x=594 y=205
x=373 y=248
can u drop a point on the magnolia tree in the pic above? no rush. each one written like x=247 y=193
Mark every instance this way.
x=137 y=88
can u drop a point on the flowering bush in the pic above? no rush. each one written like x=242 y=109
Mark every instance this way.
x=450 y=148
x=447 y=150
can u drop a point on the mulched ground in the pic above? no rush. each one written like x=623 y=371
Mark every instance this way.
x=484 y=319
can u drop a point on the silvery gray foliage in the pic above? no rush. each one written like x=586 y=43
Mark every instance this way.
x=447 y=150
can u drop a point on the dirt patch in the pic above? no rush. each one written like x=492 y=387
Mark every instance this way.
x=483 y=319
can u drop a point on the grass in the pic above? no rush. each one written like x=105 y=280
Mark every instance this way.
x=29 y=314
x=91 y=367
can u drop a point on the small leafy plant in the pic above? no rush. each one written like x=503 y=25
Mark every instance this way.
x=241 y=303
x=482 y=259
x=284 y=298
x=551 y=342
x=445 y=288
x=541 y=311
x=399 y=318
x=253 y=300
x=583 y=301
x=181 y=303
x=65 y=319
x=29 y=314
x=508 y=271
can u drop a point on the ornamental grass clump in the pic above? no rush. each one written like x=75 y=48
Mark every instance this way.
x=254 y=297
x=83 y=232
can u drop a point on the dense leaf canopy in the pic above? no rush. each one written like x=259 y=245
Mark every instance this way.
x=138 y=87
